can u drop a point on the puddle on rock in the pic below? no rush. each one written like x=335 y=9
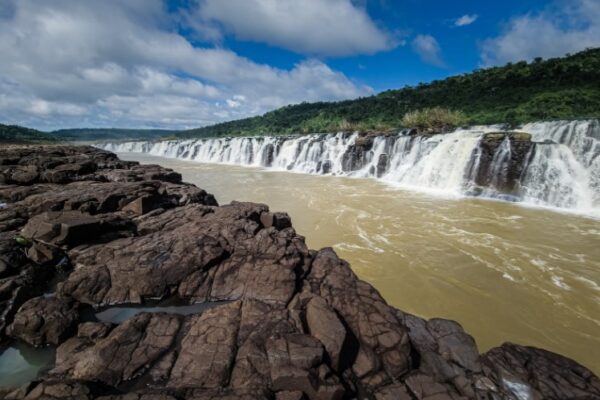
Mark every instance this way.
x=21 y=363
x=119 y=314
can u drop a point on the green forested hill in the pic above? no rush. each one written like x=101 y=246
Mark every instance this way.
x=567 y=87
x=93 y=134
x=19 y=134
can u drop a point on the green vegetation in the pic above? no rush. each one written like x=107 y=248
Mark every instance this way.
x=436 y=119
x=19 y=134
x=87 y=134
x=558 y=88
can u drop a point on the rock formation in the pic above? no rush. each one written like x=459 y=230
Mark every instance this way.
x=294 y=323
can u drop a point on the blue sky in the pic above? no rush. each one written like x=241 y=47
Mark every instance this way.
x=188 y=63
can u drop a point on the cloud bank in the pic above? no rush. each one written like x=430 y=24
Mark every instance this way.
x=330 y=28
x=123 y=63
x=568 y=27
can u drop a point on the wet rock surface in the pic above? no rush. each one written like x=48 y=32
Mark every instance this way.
x=503 y=158
x=295 y=324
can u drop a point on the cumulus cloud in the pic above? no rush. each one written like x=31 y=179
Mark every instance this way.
x=568 y=27
x=466 y=20
x=122 y=63
x=428 y=49
x=332 y=27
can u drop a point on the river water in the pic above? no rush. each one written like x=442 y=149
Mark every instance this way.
x=506 y=272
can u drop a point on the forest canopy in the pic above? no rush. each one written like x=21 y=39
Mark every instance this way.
x=557 y=88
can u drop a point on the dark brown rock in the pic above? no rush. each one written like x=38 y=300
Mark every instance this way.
x=381 y=349
x=124 y=353
x=383 y=164
x=497 y=169
x=209 y=337
x=526 y=371
x=44 y=321
x=324 y=324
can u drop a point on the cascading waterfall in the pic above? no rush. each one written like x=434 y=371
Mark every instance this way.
x=561 y=168
x=565 y=169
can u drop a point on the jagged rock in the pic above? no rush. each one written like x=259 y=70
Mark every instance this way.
x=44 y=321
x=528 y=372
x=324 y=324
x=381 y=349
x=125 y=352
x=213 y=257
x=279 y=220
x=209 y=337
x=354 y=158
x=53 y=390
x=484 y=172
x=454 y=344
x=20 y=278
x=382 y=165
x=62 y=227
x=296 y=364
x=93 y=331
x=364 y=141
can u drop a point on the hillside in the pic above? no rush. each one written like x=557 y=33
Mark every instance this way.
x=22 y=135
x=93 y=134
x=558 y=88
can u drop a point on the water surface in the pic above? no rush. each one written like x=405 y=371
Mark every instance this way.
x=21 y=363
x=504 y=271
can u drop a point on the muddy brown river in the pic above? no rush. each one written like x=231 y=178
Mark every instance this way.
x=504 y=271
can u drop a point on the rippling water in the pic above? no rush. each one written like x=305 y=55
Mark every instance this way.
x=504 y=271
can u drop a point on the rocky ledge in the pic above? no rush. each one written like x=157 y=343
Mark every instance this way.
x=81 y=229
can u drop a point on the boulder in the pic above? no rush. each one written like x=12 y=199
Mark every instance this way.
x=324 y=325
x=44 y=321
x=522 y=371
x=62 y=227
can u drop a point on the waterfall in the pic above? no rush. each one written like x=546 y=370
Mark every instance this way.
x=565 y=169
x=558 y=165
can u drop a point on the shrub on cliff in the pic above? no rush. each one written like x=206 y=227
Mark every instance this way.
x=436 y=119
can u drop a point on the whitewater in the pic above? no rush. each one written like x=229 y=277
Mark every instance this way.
x=562 y=170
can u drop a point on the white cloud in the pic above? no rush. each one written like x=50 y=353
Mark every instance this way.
x=568 y=27
x=121 y=63
x=428 y=49
x=330 y=27
x=466 y=20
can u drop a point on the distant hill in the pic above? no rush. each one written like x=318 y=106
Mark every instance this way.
x=557 y=88
x=97 y=134
x=22 y=135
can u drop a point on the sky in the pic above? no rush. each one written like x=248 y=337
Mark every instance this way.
x=188 y=63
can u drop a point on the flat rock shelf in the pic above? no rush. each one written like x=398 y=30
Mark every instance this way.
x=288 y=322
